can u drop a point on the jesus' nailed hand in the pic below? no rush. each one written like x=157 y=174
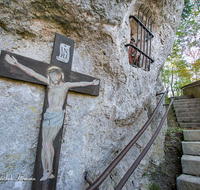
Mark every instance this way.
x=54 y=115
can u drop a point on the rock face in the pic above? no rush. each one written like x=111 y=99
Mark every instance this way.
x=96 y=128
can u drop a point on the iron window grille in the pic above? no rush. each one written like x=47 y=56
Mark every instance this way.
x=140 y=50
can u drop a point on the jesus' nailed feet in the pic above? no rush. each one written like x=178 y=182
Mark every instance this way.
x=47 y=175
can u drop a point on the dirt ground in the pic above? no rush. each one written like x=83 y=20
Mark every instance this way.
x=164 y=176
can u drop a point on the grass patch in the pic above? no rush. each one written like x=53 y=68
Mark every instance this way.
x=154 y=186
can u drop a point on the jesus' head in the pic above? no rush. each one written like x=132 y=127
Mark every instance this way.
x=55 y=75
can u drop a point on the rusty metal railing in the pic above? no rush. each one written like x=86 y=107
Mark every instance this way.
x=108 y=170
x=143 y=153
x=88 y=179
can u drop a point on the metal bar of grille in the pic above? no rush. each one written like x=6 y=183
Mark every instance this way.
x=150 y=46
x=137 y=20
x=134 y=61
x=150 y=59
x=145 y=39
x=142 y=30
x=143 y=153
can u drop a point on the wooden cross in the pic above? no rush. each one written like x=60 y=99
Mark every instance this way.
x=58 y=78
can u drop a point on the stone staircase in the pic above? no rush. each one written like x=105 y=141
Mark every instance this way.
x=187 y=111
x=190 y=179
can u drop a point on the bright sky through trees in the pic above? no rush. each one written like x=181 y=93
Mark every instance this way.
x=183 y=64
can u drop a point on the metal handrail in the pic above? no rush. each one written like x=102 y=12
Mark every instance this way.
x=108 y=170
x=88 y=179
x=143 y=153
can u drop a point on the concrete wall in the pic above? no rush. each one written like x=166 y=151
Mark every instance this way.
x=192 y=89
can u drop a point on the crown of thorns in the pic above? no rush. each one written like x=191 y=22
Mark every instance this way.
x=55 y=69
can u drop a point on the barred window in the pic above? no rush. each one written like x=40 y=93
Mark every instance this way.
x=141 y=37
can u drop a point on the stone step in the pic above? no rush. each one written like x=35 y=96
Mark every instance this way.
x=188 y=182
x=180 y=110
x=187 y=100
x=183 y=97
x=188 y=119
x=191 y=101
x=191 y=135
x=189 y=105
x=190 y=164
x=188 y=114
x=191 y=148
x=190 y=125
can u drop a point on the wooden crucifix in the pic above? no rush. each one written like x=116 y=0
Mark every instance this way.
x=58 y=78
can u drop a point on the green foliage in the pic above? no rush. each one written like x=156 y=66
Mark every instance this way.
x=154 y=186
x=144 y=175
x=183 y=64
x=187 y=9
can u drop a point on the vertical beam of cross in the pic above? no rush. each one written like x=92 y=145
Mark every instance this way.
x=58 y=78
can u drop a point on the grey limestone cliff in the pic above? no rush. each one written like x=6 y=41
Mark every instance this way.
x=96 y=128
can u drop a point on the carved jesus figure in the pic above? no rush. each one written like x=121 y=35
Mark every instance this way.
x=54 y=115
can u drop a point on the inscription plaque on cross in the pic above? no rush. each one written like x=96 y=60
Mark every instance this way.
x=58 y=78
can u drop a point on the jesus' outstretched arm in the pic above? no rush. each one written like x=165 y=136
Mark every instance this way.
x=13 y=61
x=81 y=84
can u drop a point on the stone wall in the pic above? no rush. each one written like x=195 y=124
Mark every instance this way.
x=96 y=128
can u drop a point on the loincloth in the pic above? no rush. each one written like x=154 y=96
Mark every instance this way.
x=53 y=118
